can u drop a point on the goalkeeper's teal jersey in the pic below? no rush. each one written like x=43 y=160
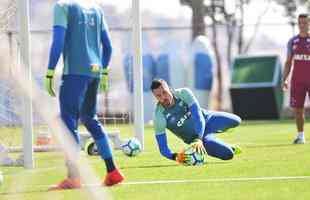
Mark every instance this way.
x=83 y=36
x=177 y=118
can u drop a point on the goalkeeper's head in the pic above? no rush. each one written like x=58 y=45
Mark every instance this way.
x=162 y=92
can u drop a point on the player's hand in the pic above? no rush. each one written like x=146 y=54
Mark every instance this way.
x=197 y=145
x=182 y=157
x=104 y=81
x=49 y=83
x=285 y=85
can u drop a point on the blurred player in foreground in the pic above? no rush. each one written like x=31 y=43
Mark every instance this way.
x=179 y=111
x=298 y=55
x=81 y=35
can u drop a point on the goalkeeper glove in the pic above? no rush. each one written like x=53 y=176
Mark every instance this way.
x=179 y=157
x=104 y=81
x=48 y=82
x=197 y=145
x=182 y=157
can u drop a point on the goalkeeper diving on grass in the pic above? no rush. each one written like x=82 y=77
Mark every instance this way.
x=81 y=35
x=178 y=111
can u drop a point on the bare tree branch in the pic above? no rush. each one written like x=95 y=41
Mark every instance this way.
x=256 y=27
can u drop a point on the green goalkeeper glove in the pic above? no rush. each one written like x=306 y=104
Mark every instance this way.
x=104 y=81
x=197 y=145
x=48 y=82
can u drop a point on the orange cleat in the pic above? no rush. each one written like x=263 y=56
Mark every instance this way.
x=113 y=178
x=67 y=184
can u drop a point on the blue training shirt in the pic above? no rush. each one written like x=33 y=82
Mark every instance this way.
x=87 y=45
x=186 y=119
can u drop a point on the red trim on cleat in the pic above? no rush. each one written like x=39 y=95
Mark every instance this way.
x=67 y=184
x=113 y=178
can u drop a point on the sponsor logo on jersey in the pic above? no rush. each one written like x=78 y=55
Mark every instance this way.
x=302 y=57
x=89 y=18
x=168 y=115
x=183 y=119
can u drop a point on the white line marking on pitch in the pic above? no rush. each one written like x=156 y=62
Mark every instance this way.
x=210 y=180
x=245 y=179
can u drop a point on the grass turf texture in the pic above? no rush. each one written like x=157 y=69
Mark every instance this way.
x=267 y=152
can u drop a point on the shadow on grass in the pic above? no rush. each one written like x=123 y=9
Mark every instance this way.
x=30 y=191
x=269 y=145
x=168 y=165
x=284 y=121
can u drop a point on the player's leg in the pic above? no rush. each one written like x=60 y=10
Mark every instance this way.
x=297 y=100
x=89 y=119
x=217 y=122
x=217 y=148
x=299 y=117
x=71 y=95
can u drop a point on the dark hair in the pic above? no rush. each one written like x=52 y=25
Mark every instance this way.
x=303 y=15
x=156 y=83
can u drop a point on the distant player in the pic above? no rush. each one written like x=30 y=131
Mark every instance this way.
x=179 y=111
x=298 y=55
x=81 y=35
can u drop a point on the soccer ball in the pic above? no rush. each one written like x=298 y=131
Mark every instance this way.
x=197 y=159
x=91 y=148
x=131 y=147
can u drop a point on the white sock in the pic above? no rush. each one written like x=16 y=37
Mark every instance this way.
x=301 y=135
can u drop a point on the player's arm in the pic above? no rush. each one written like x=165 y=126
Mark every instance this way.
x=160 y=134
x=57 y=46
x=106 y=55
x=106 y=44
x=192 y=102
x=287 y=65
x=162 y=143
x=59 y=34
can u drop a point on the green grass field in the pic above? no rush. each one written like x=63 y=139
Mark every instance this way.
x=270 y=167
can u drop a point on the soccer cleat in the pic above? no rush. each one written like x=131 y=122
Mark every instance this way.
x=67 y=184
x=113 y=178
x=237 y=149
x=299 y=140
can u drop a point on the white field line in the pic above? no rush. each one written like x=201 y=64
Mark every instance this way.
x=244 y=179
x=40 y=188
x=236 y=179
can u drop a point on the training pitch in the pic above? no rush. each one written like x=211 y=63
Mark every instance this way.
x=270 y=167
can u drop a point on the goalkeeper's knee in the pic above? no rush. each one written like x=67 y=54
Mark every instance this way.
x=228 y=155
x=218 y=149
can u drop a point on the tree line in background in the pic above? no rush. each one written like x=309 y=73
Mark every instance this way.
x=234 y=20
